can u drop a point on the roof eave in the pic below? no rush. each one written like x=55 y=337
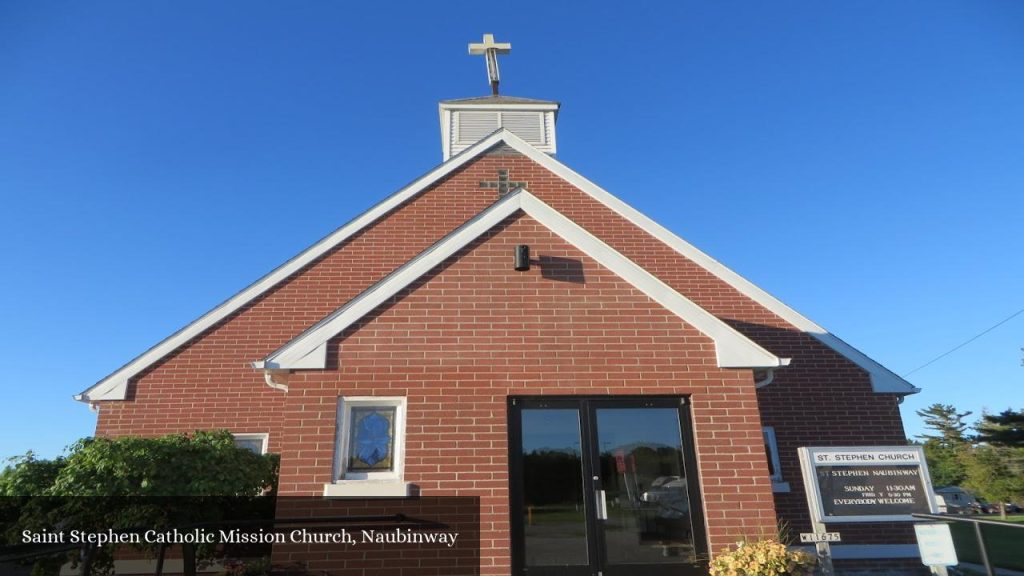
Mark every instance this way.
x=733 y=349
x=114 y=386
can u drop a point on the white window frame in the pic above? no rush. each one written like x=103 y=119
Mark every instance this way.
x=778 y=484
x=341 y=451
x=263 y=437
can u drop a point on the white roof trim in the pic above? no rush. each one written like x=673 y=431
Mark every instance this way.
x=883 y=380
x=115 y=386
x=543 y=107
x=733 y=349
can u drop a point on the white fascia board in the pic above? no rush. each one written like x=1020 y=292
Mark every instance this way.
x=882 y=379
x=115 y=386
x=445 y=116
x=506 y=106
x=732 y=348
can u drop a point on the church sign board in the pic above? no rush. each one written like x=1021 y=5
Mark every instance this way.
x=866 y=484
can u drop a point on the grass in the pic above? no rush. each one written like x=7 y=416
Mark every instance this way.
x=1019 y=518
x=1003 y=543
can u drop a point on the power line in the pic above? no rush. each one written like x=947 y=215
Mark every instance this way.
x=959 y=346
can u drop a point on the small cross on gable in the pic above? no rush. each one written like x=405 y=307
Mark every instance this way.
x=502 y=184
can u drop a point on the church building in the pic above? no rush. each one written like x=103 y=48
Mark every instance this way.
x=504 y=328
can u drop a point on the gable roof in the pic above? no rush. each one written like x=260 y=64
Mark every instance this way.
x=497 y=99
x=115 y=385
x=309 y=349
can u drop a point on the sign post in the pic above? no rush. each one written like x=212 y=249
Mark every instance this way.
x=864 y=484
x=822 y=548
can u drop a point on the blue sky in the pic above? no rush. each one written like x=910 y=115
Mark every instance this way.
x=862 y=161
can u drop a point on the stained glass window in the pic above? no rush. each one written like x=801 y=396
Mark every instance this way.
x=372 y=439
x=256 y=443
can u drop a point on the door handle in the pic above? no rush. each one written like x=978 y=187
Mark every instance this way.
x=602 y=505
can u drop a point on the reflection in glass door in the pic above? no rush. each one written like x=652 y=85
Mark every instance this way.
x=555 y=527
x=644 y=487
x=601 y=485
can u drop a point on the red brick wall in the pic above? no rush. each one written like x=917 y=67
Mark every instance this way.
x=458 y=344
x=210 y=383
x=820 y=399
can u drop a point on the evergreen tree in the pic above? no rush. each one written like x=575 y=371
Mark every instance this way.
x=995 y=468
x=946 y=422
x=1004 y=429
x=944 y=448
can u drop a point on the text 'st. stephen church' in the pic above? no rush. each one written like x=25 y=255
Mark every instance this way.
x=504 y=328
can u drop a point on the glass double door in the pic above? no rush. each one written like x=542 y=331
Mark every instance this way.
x=604 y=486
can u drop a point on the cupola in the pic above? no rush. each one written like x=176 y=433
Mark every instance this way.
x=466 y=121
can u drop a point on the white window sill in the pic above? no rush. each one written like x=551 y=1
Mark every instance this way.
x=366 y=488
x=780 y=486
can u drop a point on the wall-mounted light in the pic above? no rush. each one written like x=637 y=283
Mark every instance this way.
x=522 y=258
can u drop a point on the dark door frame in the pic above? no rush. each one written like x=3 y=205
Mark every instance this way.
x=590 y=454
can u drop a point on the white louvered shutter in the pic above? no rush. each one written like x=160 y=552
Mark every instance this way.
x=473 y=126
x=527 y=125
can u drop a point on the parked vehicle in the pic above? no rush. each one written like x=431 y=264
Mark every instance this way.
x=982 y=507
x=955 y=500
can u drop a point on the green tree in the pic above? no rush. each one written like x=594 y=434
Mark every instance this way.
x=205 y=463
x=996 y=469
x=1004 y=429
x=945 y=446
x=24 y=477
x=948 y=424
x=995 y=473
x=27 y=475
x=118 y=483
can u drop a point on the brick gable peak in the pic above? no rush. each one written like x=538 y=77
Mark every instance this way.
x=115 y=385
x=309 y=349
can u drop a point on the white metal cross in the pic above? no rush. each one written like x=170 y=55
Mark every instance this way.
x=490 y=49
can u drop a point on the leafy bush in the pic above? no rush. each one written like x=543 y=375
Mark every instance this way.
x=762 y=558
x=131 y=483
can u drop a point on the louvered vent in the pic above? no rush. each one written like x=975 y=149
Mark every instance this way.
x=473 y=126
x=527 y=125
x=468 y=121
